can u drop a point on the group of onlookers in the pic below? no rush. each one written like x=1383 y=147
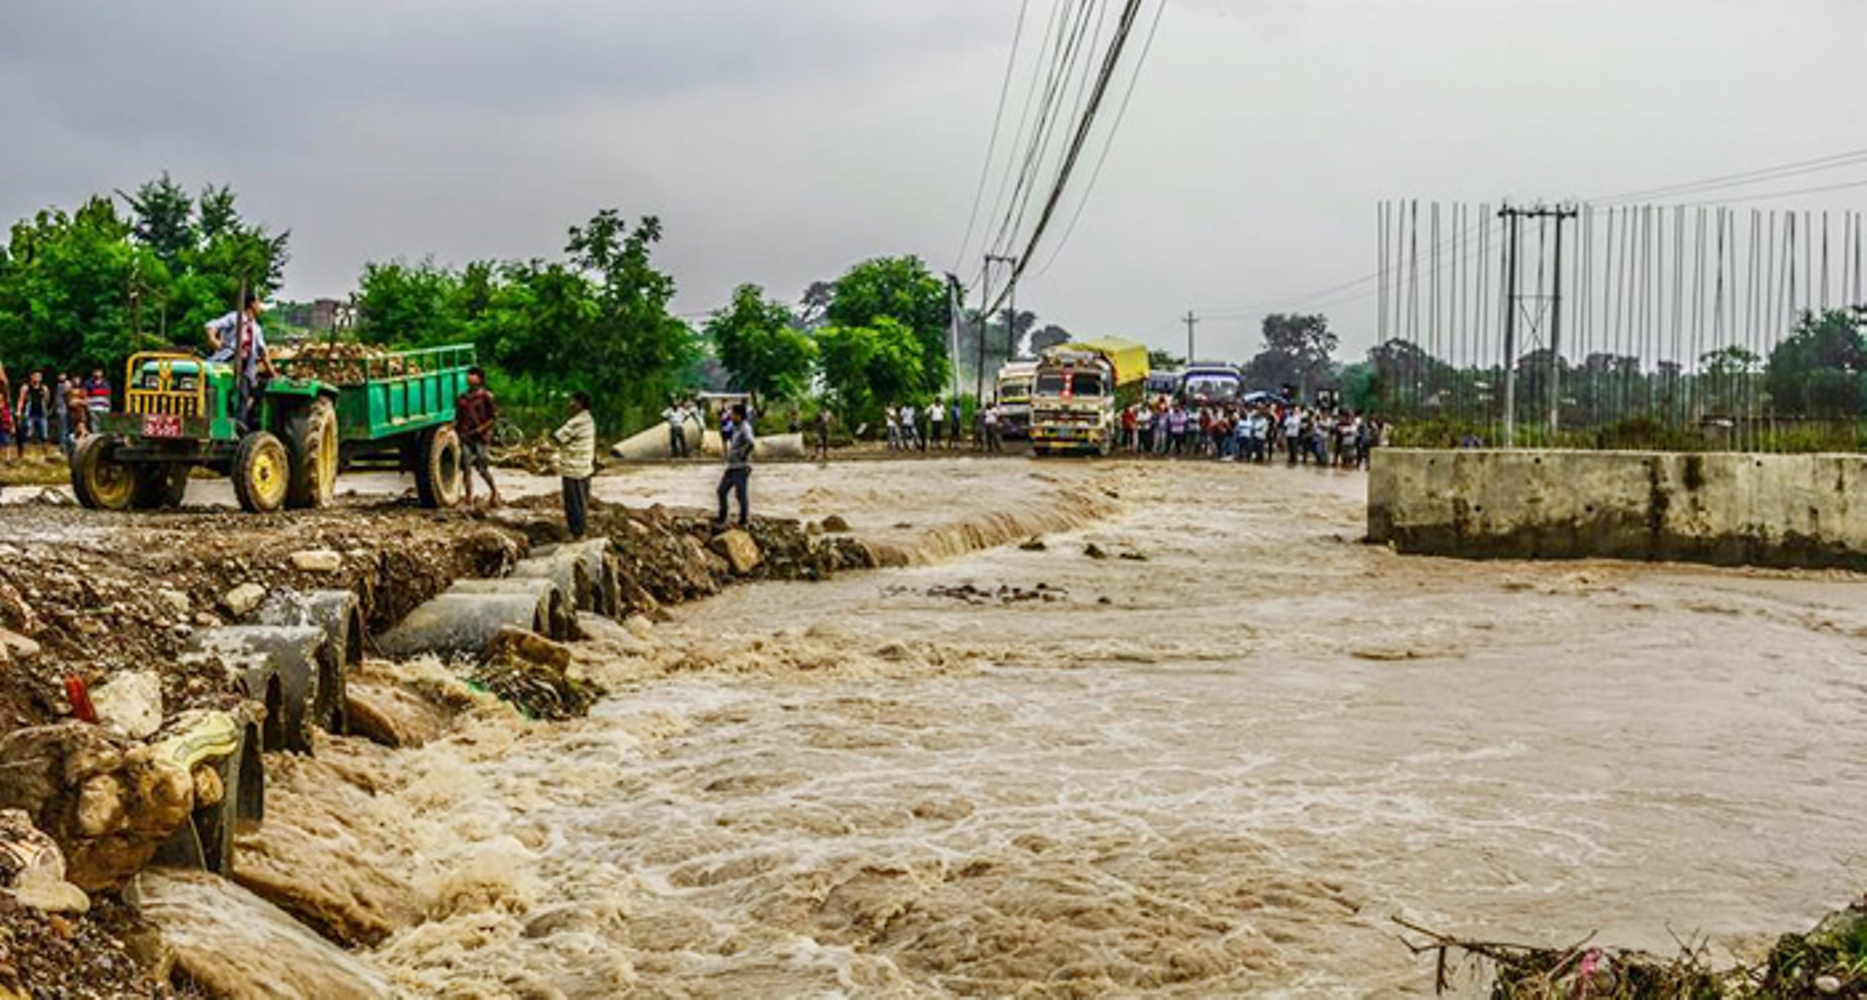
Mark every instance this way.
x=913 y=428
x=1237 y=432
x=58 y=412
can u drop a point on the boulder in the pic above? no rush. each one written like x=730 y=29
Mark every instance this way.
x=317 y=561
x=130 y=703
x=739 y=550
x=835 y=525
x=241 y=600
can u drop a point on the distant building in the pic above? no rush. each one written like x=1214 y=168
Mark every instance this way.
x=324 y=314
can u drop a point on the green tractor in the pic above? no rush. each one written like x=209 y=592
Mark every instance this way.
x=179 y=413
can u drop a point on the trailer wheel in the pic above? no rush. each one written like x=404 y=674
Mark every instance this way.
x=261 y=473
x=311 y=438
x=100 y=481
x=158 y=486
x=438 y=475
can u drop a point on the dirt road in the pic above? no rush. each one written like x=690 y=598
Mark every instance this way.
x=1212 y=762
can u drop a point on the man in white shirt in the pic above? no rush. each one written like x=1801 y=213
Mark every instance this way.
x=936 y=422
x=576 y=442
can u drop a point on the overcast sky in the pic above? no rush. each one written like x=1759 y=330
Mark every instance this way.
x=782 y=140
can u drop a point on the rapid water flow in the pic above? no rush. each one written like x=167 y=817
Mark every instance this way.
x=1213 y=763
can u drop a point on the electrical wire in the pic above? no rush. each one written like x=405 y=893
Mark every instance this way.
x=991 y=147
x=1121 y=114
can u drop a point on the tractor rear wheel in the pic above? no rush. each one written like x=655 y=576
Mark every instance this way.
x=100 y=481
x=311 y=438
x=159 y=486
x=439 y=478
x=261 y=473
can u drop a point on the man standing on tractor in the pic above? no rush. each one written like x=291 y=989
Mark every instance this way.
x=237 y=335
x=576 y=442
x=474 y=416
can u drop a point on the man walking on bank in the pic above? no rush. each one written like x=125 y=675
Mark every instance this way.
x=576 y=442
x=738 y=466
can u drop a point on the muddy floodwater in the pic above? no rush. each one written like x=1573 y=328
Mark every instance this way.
x=1214 y=761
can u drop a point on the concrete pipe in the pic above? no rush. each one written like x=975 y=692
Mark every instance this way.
x=568 y=570
x=560 y=616
x=338 y=612
x=463 y=625
x=599 y=565
x=292 y=669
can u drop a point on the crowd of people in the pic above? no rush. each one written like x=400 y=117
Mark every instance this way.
x=51 y=409
x=916 y=428
x=1304 y=435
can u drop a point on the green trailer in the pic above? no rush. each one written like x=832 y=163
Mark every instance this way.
x=180 y=413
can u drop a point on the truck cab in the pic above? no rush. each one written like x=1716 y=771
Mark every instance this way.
x=1016 y=380
x=1073 y=404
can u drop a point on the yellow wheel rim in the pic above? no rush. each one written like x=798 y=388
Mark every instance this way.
x=268 y=478
x=327 y=462
x=111 y=483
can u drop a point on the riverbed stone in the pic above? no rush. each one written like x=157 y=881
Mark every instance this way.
x=130 y=703
x=739 y=550
x=241 y=600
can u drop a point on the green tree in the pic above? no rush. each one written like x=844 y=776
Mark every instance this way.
x=903 y=290
x=867 y=367
x=65 y=289
x=1298 y=350
x=1158 y=359
x=409 y=304
x=1817 y=370
x=756 y=342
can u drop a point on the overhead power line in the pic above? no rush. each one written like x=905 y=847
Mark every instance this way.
x=991 y=147
x=1121 y=115
x=1085 y=125
x=1723 y=181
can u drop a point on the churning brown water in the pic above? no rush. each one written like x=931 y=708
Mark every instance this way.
x=1213 y=763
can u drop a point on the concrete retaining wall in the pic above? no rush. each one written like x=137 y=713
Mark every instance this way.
x=1729 y=509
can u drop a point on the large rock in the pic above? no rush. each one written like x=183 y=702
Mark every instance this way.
x=130 y=703
x=241 y=600
x=739 y=550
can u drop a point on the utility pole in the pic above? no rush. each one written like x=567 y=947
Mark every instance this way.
x=1191 y=322
x=1513 y=232
x=978 y=392
x=1510 y=216
x=1011 y=309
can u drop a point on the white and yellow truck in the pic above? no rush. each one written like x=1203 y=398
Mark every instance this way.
x=1078 y=393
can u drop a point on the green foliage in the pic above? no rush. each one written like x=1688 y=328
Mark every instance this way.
x=1164 y=360
x=756 y=342
x=867 y=367
x=597 y=321
x=900 y=289
x=1298 y=350
x=1361 y=387
x=1817 y=370
x=85 y=289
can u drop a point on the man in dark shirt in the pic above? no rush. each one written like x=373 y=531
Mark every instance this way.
x=738 y=466
x=474 y=416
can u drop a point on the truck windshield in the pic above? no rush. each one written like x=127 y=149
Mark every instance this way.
x=1087 y=385
x=1015 y=390
x=1050 y=384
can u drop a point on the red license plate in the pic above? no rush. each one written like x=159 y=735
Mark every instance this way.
x=156 y=425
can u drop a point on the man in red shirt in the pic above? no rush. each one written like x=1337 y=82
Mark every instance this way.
x=474 y=416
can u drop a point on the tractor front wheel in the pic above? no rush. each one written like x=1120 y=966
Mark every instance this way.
x=100 y=481
x=311 y=437
x=439 y=478
x=261 y=473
